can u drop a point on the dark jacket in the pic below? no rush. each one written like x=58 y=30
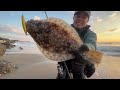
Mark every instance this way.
x=89 y=38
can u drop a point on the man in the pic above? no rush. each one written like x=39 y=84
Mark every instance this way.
x=78 y=66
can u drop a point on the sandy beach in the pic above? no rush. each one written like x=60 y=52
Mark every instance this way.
x=31 y=66
x=36 y=66
x=108 y=69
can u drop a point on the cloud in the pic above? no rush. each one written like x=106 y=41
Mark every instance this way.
x=36 y=18
x=112 y=30
x=12 y=32
x=99 y=19
x=92 y=17
x=10 y=29
x=12 y=13
x=92 y=22
x=113 y=14
x=116 y=11
x=72 y=12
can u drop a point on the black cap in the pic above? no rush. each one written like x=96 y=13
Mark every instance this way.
x=88 y=12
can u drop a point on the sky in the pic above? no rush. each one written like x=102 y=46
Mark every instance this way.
x=106 y=24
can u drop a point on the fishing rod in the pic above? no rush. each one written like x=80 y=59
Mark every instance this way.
x=46 y=14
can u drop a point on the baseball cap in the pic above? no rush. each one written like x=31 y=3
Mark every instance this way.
x=88 y=12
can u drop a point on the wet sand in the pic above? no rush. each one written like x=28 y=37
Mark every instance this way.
x=36 y=66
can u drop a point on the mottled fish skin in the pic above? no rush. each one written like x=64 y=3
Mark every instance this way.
x=52 y=38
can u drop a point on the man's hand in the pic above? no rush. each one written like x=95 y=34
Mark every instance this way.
x=78 y=54
x=83 y=48
x=79 y=58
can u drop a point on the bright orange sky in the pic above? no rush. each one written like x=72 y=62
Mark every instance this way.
x=108 y=38
x=108 y=27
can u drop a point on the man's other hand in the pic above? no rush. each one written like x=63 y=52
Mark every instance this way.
x=83 y=48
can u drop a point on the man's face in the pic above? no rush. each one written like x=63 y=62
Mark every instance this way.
x=80 y=20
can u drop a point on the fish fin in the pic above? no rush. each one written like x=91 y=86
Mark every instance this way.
x=94 y=56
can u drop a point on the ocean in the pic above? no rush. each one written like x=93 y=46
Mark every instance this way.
x=111 y=49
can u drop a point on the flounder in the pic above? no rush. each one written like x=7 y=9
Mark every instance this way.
x=55 y=38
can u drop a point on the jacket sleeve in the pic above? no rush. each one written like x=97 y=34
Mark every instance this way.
x=90 y=40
